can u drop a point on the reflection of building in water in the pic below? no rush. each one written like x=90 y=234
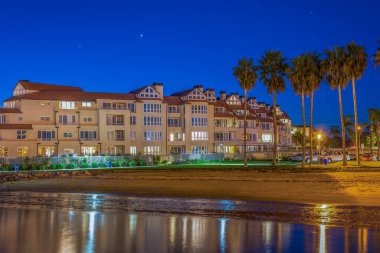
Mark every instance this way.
x=363 y=240
x=322 y=246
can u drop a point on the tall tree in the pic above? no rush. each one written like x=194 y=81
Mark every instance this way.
x=350 y=128
x=377 y=131
x=273 y=68
x=372 y=126
x=377 y=56
x=357 y=63
x=246 y=75
x=335 y=66
x=314 y=77
x=296 y=75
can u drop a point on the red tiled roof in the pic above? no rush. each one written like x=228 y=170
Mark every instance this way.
x=223 y=115
x=172 y=100
x=137 y=91
x=45 y=87
x=73 y=96
x=9 y=110
x=183 y=93
x=16 y=126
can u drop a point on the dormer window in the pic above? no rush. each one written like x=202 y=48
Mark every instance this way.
x=233 y=100
x=148 y=92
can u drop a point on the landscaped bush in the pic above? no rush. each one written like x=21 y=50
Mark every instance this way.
x=71 y=166
x=156 y=159
x=84 y=165
x=60 y=166
x=23 y=166
x=94 y=165
x=181 y=162
x=6 y=167
x=141 y=162
x=53 y=166
x=227 y=159
x=131 y=163
x=164 y=162
x=102 y=165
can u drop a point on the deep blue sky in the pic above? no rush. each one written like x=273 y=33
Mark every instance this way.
x=119 y=45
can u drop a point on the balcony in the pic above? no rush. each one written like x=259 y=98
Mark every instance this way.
x=115 y=123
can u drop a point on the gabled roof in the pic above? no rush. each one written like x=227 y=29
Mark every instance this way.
x=9 y=110
x=16 y=126
x=45 y=87
x=73 y=96
x=137 y=91
x=182 y=93
x=172 y=100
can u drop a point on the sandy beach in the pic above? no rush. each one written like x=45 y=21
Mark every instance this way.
x=341 y=188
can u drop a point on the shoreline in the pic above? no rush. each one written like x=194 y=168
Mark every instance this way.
x=334 y=188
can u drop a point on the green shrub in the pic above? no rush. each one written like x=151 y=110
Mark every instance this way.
x=164 y=162
x=84 y=165
x=227 y=159
x=156 y=159
x=60 y=166
x=6 y=167
x=23 y=166
x=141 y=162
x=71 y=166
x=53 y=166
x=41 y=166
x=131 y=163
x=102 y=165
x=94 y=165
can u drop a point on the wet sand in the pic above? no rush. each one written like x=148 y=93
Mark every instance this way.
x=339 y=188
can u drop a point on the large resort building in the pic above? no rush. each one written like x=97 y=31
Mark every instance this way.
x=51 y=120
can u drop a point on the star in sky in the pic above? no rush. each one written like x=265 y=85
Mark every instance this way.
x=141 y=35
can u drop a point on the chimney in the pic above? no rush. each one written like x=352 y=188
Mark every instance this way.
x=222 y=95
x=212 y=91
x=159 y=87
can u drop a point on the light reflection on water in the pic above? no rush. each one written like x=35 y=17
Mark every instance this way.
x=46 y=230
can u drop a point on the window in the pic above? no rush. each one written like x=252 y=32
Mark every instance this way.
x=44 y=118
x=199 y=109
x=199 y=136
x=233 y=100
x=131 y=107
x=3 y=119
x=174 y=122
x=115 y=120
x=67 y=135
x=88 y=135
x=86 y=104
x=149 y=92
x=22 y=151
x=87 y=119
x=152 y=121
x=177 y=150
x=152 y=136
x=176 y=136
x=133 y=135
x=199 y=121
x=132 y=150
x=67 y=105
x=110 y=135
x=46 y=135
x=227 y=136
x=3 y=151
x=152 y=107
x=199 y=149
x=133 y=120
x=267 y=138
x=119 y=135
x=89 y=150
x=152 y=150
x=44 y=102
x=21 y=134
x=66 y=119
x=20 y=118
x=173 y=109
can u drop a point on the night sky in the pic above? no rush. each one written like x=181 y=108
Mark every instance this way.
x=118 y=45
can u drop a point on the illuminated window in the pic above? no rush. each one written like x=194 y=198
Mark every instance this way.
x=132 y=150
x=67 y=105
x=3 y=151
x=86 y=104
x=22 y=151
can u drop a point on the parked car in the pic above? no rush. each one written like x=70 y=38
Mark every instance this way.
x=295 y=158
x=335 y=156
x=368 y=157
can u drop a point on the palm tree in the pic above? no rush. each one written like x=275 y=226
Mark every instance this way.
x=357 y=63
x=349 y=127
x=273 y=69
x=314 y=78
x=377 y=131
x=372 y=118
x=377 y=56
x=335 y=66
x=296 y=75
x=246 y=75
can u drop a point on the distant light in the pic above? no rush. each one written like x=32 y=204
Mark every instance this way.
x=324 y=206
x=141 y=35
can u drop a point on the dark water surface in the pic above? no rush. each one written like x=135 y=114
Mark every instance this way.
x=42 y=222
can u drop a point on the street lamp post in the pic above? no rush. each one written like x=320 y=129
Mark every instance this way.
x=221 y=150
x=319 y=137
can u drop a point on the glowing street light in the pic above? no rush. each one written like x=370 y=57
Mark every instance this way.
x=319 y=137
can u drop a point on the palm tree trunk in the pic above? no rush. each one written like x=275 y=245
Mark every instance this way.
x=245 y=130
x=342 y=125
x=274 y=158
x=377 y=140
x=304 y=129
x=371 y=133
x=357 y=144
x=311 y=126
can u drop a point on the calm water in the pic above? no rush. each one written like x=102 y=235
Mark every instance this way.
x=81 y=223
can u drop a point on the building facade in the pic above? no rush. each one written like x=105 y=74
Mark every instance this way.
x=50 y=120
